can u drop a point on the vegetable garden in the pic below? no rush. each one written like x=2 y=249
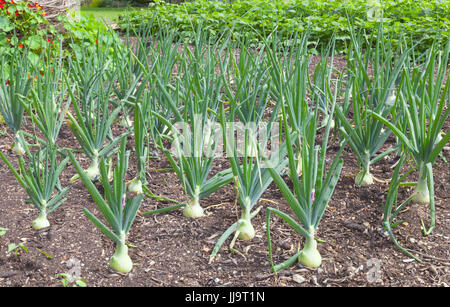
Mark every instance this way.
x=182 y=151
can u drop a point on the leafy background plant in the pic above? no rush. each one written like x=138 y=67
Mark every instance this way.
x=84 y=33
x=417 y=19
x=23 y=24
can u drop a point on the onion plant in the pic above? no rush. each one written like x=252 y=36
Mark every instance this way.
x=251 y=176
x=92 y=121
x=246 y=83
x=164 y=58
x=161 y=96
x=157 y=55
x=134 y=74
x=151 y=54
x=247 y=96
x=128 y=73
x=322 y=73
x=390 y=207
x=289 y=85
x=15 y=83
x=423 y=113
x=310 y=194
x=245 y=80
x=375 y=73
x=194 y=149
x=434 y=66
x=86 y=70
x=118 y=210
x=39 y=178
x=141 y=124
x=48 y=102
x=192 y=163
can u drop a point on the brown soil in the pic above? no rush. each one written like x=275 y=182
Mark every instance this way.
x=171 y=250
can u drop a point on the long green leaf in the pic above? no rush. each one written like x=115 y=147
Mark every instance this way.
x=97 y=197
x=103 y=228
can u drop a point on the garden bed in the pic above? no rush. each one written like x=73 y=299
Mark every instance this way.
x=102 y=80
x=171 y=250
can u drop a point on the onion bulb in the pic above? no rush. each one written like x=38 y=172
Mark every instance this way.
x=135 y=186
x=121 y=261
x=364 y=178
x=245 y=227
x=193 y=209
x=246 y=230
x=92 y=172
x=126 y=122
x=17 y=147
x=41 y=221
x=310 y=255
x=421 y=194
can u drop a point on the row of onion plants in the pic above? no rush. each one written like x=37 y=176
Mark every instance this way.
x=192 y=103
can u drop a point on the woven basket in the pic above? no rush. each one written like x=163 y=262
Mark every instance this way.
x=54 y=8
